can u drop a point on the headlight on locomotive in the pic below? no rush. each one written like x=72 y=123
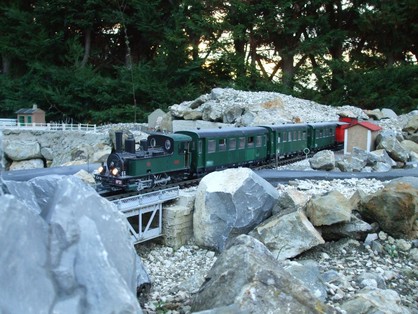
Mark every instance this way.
x=102 y=169
x=115 y=171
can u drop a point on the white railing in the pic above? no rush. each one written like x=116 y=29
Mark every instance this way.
x=50 y=126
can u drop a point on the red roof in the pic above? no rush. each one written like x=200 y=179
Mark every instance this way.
x=368 y=125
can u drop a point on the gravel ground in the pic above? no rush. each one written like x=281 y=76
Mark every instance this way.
x=177 y=273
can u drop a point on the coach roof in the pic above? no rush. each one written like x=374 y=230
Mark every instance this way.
x=226 y=132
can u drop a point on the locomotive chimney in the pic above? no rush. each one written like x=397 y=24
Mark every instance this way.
x=118 y=141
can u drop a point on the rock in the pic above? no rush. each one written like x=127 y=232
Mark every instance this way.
x=414 y=254
x=62 y=146
x=308 y=272
x=22 y=150
x=27 y=164
x=375 y=301
x=86 y=177
x=328 y=209
x=351 y=163
x=290 y=200
x=375 y=114
x=323 y=160
x=354 y=229
x=388 y=113
x=26 y=285
x=412 y=125
x=247 y=275
x=91 y=260
x=410 y=146
x=393 y=148
x=395 y=208
x=229 y=203
x=363 y=280
x=287 y=236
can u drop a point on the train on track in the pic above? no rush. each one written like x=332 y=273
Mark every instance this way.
x=164 y=158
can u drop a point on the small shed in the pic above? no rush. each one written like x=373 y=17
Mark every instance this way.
x=30 y=115
x=361 y=135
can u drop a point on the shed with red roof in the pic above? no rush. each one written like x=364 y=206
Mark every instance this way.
x=361 y=135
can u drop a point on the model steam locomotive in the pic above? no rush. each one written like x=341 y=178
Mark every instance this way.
x=162 y=158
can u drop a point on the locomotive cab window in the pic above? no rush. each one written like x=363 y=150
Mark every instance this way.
x=153 y=142
x=183 y=148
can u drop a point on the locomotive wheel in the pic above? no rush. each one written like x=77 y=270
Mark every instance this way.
x=161 y=179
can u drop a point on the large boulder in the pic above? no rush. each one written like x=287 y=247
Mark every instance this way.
x=22 y=150
x=287 y=236
x=393 y=147
x=395 y=207
x=327 y=209
x=229 y=203
x=26 y=285
x=410 y=146
x=247 y=276
x=89 y=260
x=323 y=160
x=411 y=126
x=290 y=200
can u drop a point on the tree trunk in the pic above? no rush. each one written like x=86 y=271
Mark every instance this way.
x=6 y=63
x=288 y=69
x=87 y=47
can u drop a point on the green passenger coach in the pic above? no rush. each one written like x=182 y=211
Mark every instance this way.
x=287 y=140
x=321 y=135
x=215 y=149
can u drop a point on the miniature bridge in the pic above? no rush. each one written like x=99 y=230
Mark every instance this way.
x=144 y=212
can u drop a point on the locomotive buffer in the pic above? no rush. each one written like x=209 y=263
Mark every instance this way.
x=144 y=212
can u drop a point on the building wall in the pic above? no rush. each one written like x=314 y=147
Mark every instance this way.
x=37 y=117
x=357 y=136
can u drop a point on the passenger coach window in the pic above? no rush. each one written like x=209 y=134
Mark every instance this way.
x=211 y=146
x=222 y=145
x=200 y=146
x=258 y=141
x=241 y=142
x=290 y=137
x=250 y=141
x=304 y=135
x=278 y=138
x=232 y=144
x=284 y=137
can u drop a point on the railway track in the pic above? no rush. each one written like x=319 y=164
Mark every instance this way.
x=118 y=194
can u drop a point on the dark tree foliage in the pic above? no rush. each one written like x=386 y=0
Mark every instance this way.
x=105 y=61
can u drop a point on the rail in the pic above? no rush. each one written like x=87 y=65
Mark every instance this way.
x=49 y=126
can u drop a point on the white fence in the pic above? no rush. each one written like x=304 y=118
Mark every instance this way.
x=12 y=124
